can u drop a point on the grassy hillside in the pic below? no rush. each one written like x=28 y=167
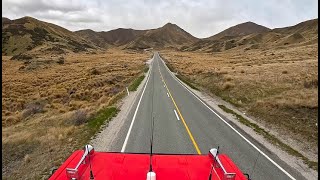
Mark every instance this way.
x=240 y=30
x=31 y=35
x=302 y=34
x=170 y=35
x=278 y=86
x=47 y=113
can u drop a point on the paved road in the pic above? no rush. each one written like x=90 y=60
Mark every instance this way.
x=184 y=125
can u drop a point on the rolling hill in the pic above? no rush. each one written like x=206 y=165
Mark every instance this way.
x=93 y=36
x=259 y=37
x=240 y=30
x=31 y=35
x=116 y=37
x=170 y=35
x=28 y=34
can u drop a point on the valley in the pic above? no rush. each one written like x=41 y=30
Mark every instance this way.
x=61 y=87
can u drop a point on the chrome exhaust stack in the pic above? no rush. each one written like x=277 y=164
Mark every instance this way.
x=214 y=154
x=75 y=173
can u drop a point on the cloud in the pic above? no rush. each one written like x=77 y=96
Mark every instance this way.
x=32 y=6
x=201 y=18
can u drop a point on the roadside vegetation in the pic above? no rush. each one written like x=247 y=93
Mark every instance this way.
x=146 y=69
x=277 y=86
x=102 y=117
x=52 y=109
x=187 y=81
x=180 y=76
x=136 y=83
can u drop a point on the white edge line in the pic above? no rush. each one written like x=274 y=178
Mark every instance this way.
x=277 y=165
x=176 y=114
x=135 y=113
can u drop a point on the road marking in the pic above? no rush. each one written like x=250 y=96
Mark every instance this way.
x=176 y=114
x=127 y=90
x=168 y=94
x=135 y=113
x=184 y=122
x=266 y=156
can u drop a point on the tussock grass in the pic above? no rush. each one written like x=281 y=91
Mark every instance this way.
x=79 y=117
x=66 y=105
x=227 y=85
x=228 y=78
x=187 y=81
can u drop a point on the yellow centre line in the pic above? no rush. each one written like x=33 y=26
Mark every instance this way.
x=181 y=117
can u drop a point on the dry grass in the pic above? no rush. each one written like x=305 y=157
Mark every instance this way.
x=43 y=109
x=227 y=85
x=277 y=86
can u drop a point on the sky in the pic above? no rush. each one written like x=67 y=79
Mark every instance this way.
x=201 y=18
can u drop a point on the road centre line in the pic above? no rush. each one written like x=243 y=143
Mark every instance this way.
x=175 y=112
x=181 y=117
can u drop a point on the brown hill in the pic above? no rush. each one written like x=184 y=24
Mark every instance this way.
x=240 y=30
x=293 y=35
x=310 y=26
x=93 y=36
x=121 y=36
x=170 y=35
x=116 y=37
x=29 y=34
x=5 y=20
x=304 y=33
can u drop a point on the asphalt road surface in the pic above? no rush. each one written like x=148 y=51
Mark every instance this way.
x=183 y=124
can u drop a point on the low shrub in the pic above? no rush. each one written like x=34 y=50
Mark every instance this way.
x=33 y=108
x=79 y=117
x=60 y=60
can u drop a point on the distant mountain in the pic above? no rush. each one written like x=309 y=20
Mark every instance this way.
x=306 y=28
x=29 y=34
x=115 y=37
x=240 y=30
x=170 y=35
x=121 y=36
x=93 y=36
x=301 y=34
x=5 y=20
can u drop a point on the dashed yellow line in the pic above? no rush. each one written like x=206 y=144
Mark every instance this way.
x=181 y=117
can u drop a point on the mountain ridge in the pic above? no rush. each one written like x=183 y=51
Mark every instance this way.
x=27 y=33
x=240 y=30
x=300 y=34
x=30 y=34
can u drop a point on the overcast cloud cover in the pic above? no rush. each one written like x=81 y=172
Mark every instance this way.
x=201 y=18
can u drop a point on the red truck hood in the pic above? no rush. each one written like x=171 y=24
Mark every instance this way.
x=115 y=166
